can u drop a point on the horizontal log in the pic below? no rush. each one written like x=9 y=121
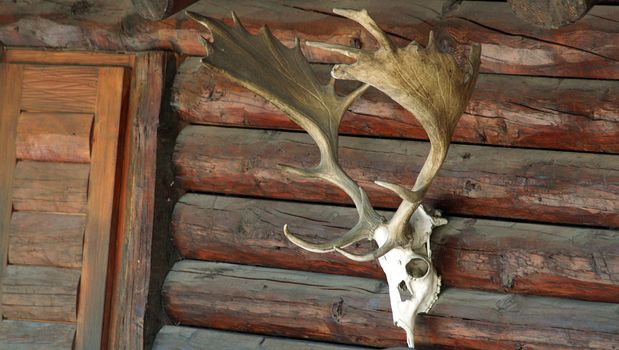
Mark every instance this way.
x=36 y=335
x=558 y=187
x=482 y=254
x=52 y=187
x=46 y=239
x=59 y=89
x=187 y=338
x=40 y=293
x=356 y=311
x=159 y=9
x=568 y=114
x=54 y=137
x=587 y=48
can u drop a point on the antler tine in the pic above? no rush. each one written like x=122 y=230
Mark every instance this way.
x=284 y=78
x=363 y=18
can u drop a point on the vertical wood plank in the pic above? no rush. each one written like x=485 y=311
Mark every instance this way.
x=100 y=208
x=10 y=95
x=131 y=277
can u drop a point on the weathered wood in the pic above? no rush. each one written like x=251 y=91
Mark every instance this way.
x=63 y=57
x=551 y=14
x=159 y=9
x=10 y=76
x=40 y=293
x=569 y=114
x=483 y=254
x=59 y=89
x=536 y=185
x=356 y=311
x=27 y=335
x=587 y=48
x=101 y=191
x=187 y=338
x=54 y=137
x=134 y=239
x=46 y=239
x=54 y=187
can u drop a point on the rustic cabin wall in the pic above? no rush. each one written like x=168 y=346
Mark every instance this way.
x=530 y=258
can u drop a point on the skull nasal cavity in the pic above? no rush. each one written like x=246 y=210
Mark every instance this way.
x=417 y=267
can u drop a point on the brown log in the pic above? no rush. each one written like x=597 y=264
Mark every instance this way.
x=551 y=14
x=482 y=254
x=59 y=89
x=36 y=335
x=160 y=9
x=187 y=338
x=356 y=311
x=40 y=293
x=46 y=239
x=568 y=114
x=54 y=137
x=535 y=185
x=588 y=48
x=54 y=187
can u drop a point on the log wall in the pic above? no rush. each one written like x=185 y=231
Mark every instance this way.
x=530 y=257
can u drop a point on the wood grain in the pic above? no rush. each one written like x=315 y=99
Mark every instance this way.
x=64 y=57
x=536 y=185
x=59 y=89
x=40 y=293
x=10 y=76
x=188 y=338
x=532 y=112
x=134 y=239
x=492 y=255
x=356 y=311
x=101 y=191
x=588 y=48
x=54 y=137
x=46 y=239
x=52 y=187
x=36 y=335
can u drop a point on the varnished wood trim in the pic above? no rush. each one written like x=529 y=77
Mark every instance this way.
x=78 y=58
x=10 y=96
x=100 y=208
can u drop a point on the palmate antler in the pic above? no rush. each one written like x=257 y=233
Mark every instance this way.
x=425 y=81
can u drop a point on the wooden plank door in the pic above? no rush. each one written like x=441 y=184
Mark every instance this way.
x=59 y=138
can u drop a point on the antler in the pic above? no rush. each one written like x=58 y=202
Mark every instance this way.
x=428 y=83
x=282 y=75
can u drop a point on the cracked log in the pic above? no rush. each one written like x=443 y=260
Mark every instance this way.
x=535 y=185
x=551 y=14
x=588 y=48
x=356 y=310
x=568 y=114
x=482 y=254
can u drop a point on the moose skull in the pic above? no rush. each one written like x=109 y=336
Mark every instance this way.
x=428 y=83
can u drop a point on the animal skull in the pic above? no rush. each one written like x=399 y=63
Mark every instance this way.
x=413 y=281
x=426 y=81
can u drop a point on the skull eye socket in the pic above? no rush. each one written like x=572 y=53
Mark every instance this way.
x=417 y=267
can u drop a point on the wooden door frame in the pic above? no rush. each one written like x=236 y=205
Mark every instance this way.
x=130 y=254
